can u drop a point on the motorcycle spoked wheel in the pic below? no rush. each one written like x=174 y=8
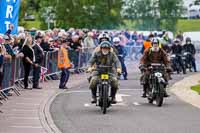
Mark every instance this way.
x=105 y=99
x=160 y=95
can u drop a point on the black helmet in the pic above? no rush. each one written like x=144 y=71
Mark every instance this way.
x=177 y=40
x=105 y=44
x=188 y=39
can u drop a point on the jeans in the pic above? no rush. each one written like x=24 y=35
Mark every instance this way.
x=27 y=69
x=64 y=77
x=36 y=76
x=124 y=70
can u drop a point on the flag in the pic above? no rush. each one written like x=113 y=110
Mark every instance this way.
x=43 y=72
x=9 y=12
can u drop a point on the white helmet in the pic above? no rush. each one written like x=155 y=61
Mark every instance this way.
x=104 y=36
x=116 y=39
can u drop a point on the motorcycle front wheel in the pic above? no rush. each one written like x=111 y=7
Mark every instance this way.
x=105 y=99
x=160 y=95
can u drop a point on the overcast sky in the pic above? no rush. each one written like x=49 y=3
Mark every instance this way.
x=188 y=2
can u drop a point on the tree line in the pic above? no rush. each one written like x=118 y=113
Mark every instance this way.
x=105 y=14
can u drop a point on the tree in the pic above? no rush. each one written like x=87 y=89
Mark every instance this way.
x=153 y=14
x=85 y=13
x=197 y=2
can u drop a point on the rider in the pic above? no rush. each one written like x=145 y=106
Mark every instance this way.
x=153 y=55
x=106 y=58
x=121 y=53
x=104 y=37
x=189 y=47
x=177 y=49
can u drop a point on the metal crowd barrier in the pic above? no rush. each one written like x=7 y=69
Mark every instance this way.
x=133 y=51
x=14 y=70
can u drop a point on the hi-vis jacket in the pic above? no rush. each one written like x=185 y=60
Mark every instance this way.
x=63 y=58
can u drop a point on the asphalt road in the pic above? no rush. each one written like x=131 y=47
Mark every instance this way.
x=73 y=113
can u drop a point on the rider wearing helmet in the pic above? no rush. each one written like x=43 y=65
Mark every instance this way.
x=103 y=37
x=189 y=47
x=106 y=58
x=121 y=53
x=155 y=54
x=177 y=49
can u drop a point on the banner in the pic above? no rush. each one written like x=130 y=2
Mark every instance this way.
x=9 y=12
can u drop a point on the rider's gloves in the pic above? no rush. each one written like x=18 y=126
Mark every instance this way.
x=119 y=70
x=89 y=69
x=141 y=67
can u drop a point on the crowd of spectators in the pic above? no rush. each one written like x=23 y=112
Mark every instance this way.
x=82 y=44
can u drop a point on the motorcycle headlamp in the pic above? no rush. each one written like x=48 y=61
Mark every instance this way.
x=158 y=74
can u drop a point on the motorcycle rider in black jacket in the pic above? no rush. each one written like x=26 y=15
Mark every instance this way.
x=189 y=47
x=177 y=49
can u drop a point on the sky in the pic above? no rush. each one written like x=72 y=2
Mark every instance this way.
x=188 y=2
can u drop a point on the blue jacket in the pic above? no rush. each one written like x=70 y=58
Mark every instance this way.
x=120 y=50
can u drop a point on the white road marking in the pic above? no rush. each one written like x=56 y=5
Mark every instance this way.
x=24 y=110
x=27 y=104
x=24 y=118
x=119 y=97
x=33 y=127
x=119 y=104
x=136 y=104
x=87 y=105
x=88 y=91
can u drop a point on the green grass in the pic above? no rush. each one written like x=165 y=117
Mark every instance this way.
x=183 y=25
x=188 y=25
x=196 y=88
x=32 y=24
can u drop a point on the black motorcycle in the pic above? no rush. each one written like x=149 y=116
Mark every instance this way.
x=177 y=63
x=187 y=60
x=104 y=87
x=157 y=84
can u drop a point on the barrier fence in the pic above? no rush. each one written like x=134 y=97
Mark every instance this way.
x=14 y=70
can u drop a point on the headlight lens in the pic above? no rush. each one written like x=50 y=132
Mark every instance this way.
x=158 y=74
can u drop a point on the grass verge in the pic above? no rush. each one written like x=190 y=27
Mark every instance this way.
x=196 y=88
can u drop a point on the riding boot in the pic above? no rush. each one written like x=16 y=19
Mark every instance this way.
x=165 y=93
x=113 y=94
x=144 y=95
x=94 y=98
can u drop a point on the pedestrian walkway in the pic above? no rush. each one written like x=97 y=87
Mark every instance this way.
x=22 y=114
x=183 y=90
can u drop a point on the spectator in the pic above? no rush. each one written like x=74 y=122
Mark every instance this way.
x=147 y=43
x=180 y=36
x=89 y=44
x=46 y=46
x=2 y=57
x=28 y=60
x=39 y=55
x=76 y=48
x=8 y=32
x=8 y=63
x=64 y=63
x=138 y=46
